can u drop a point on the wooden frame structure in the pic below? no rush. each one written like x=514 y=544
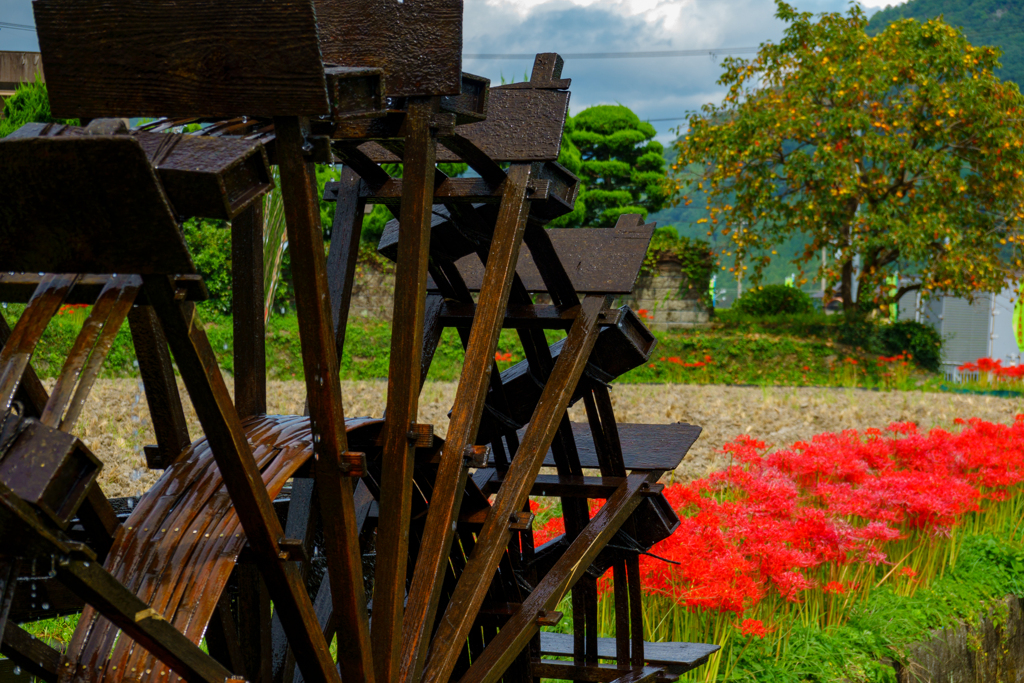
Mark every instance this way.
x=259 y=535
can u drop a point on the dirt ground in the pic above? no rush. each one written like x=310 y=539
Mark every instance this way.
x=116 y=422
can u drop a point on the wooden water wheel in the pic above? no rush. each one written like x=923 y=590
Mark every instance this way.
x=320 y=546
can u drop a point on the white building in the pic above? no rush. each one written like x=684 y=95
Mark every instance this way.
x=982 y=329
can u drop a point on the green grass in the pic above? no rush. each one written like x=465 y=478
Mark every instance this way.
x=789 y=351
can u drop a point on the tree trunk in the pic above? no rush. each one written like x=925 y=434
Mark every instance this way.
x=846 y=288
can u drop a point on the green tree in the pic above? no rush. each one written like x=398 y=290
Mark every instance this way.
x=620 y=165
x=900 y=148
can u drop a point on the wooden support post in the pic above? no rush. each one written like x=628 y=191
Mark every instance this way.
x=161 y=387
x=253 y=617
x=247 y=311
x=469 y=405
x=323 y=393
x=227 y=440
x=341 y=259
x=403 y=386
x=489 y=666
x=493 y=538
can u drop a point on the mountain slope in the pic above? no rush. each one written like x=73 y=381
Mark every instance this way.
x=999 y=23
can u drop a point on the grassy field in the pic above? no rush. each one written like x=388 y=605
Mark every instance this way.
x=810 y=351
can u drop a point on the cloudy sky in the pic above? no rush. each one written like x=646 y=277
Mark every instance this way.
x=655 y=88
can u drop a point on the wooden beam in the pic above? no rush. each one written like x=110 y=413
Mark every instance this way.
x=323 y=393
x=403 y=388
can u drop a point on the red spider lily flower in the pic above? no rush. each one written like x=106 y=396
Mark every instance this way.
x=499 y=356
x=675 y=359
x=836 y=587
x=805 y=368
x=908 y=572
x=753 y=627
x=554 y=528
x=650 y=365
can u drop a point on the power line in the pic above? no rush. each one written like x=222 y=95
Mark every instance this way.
x=17 y=27
x=626 y=55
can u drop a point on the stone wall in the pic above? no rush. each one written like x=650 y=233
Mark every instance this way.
x=662 y=297
x=373 y=294
x=658 y=295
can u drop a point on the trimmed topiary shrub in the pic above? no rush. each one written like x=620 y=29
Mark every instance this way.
x=922 y=341
x=774 y=300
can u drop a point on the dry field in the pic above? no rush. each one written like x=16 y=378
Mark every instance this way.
x=116 y=423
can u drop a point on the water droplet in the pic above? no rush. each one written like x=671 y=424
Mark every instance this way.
x=46 y=605
x=16 y=670
x=135 y=363
x=85 y=564
x=225 y=347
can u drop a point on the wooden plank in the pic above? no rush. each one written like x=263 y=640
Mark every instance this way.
x=83 y=363
x=595 y=673
x=220 y=422
x=489 y=666
x=420 y=51
x=161 y=387
x=493 y=538
x=247 y=312
x=215 y=177
x=468 y=190
x=658 y=447
x=181 y=58
x=113 y=215
x=31 y=393
x=597 y=260
x=470 y=395
x=676 y=658
x=34 y=656
x=17 y=350
x=139 y=622
x=403 y=390
x=323 y=393
x=18 y=288
x=522 y=125
x=562 y=486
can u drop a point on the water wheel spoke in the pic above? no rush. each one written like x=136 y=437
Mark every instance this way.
x=403 y=386
x=466 y=413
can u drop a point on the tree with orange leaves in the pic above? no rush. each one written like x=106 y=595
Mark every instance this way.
x=902 y=148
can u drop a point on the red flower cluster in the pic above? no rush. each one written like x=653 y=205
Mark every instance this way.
x=779 y=525
x=500 y=356
x=994 y=368
x=679 y=361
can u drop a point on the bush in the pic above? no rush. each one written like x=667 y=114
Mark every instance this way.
x=922 y=341
x=28 y=104
x=774 y=300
